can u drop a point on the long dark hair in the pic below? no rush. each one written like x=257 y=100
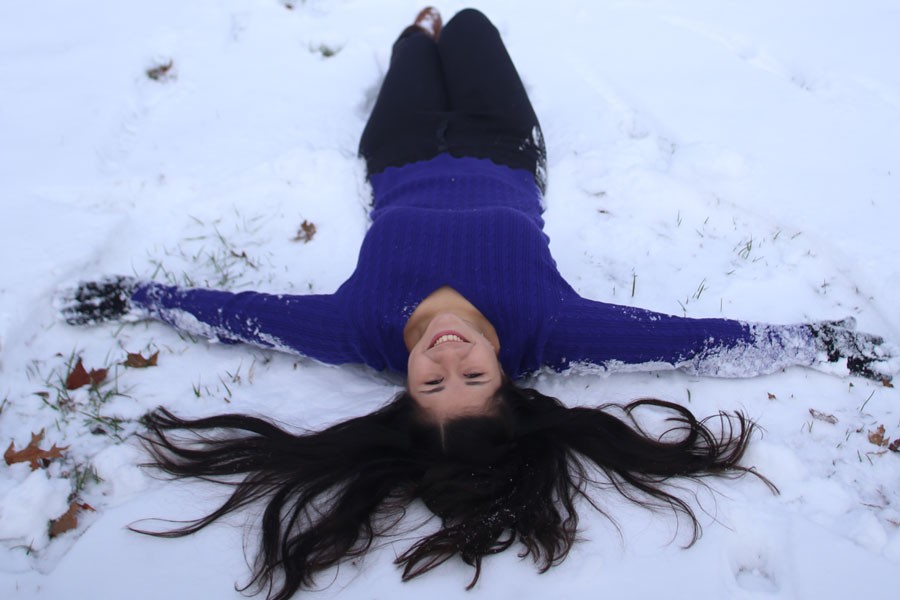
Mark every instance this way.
x=514 y=476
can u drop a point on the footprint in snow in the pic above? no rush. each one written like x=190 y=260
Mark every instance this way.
x=756 y=577
x=750 y=53
x=755 y=553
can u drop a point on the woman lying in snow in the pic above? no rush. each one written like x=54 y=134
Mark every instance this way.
x=455 y=288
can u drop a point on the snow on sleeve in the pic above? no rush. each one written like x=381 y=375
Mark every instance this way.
x=770 y=348
x=600 y=337
x=314 y=325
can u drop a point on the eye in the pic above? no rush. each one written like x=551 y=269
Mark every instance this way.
x=434 y=381
x=473 y=375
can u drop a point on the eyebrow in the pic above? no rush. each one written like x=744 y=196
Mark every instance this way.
x=441 y=388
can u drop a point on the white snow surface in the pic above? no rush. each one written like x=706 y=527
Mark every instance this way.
x=706 y=157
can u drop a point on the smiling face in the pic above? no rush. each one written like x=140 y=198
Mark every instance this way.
x=453 y=369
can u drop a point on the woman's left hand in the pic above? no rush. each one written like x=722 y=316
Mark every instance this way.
x=865 y=354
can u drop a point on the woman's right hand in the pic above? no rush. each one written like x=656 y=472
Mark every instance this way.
x=91 y=302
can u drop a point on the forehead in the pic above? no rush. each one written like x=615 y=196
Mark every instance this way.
x=457 y=401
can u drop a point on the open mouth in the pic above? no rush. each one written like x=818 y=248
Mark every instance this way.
x=446 y=336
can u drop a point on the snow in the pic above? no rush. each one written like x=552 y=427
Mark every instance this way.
x=706 y=157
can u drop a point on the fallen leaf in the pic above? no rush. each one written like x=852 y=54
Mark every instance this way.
x=160 y=72
x=877 y=437
x=327 y=51
x=32 y=453
x=306 y=232
x=136 y=360
x=77 y=377
x=823 y=416
x=80 y=377
x=895 y=446
x=886 y=382
x=69 y=520
x=772 y=396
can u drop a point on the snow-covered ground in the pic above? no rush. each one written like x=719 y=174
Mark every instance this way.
x=706 y=157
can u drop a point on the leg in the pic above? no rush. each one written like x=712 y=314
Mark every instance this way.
x=409 y=116
x=493 y=117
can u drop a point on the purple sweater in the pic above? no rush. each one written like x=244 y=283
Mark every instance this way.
x=474 y=226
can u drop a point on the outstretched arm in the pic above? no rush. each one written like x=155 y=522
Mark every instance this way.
x=613 y=337
x=311 y=325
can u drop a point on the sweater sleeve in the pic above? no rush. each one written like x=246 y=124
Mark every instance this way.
x=310 y=325
x=609 y=337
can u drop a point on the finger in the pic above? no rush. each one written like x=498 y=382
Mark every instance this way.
x=867 y=344
x=860 y=366
x=76 y=316
x=848 y=323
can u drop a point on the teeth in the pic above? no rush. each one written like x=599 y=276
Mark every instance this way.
x=448 y=338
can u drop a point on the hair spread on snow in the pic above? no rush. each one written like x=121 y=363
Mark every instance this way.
x=493 y=481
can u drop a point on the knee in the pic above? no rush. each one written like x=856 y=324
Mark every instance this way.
x=468 y=18
x=414 y=37
x=471 y=13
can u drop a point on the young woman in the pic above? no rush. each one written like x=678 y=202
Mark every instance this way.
x=455 y=288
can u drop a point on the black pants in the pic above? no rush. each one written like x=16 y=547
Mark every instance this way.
x=460 y=95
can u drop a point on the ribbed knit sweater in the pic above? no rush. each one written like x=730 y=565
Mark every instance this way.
x=476 y=227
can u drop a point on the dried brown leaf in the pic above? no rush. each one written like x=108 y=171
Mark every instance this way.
x=69 y=520
x=77 y=377
x=895 y=446
x=160 y=72
x=886 y=382
x=306 y=232
x=772 y=396
x=33 y=453
x=877 y=437
x=823 y=416
x=80 y=376
x=136 y=360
